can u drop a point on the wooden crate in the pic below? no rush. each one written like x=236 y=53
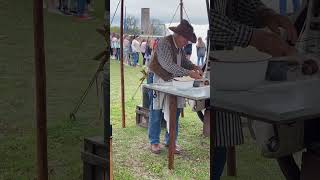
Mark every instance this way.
x=142 y=117
x=95 y=159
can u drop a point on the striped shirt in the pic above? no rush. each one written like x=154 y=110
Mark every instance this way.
x=232 y=23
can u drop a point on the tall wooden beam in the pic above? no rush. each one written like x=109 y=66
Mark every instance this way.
x=40 y=91
x=121 y=68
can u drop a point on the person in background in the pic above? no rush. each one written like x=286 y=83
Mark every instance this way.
x=283 y=6
x=143 y=50
x=235 y=23
x=201 y=51
x=135 y=50
x=113 y=46
x=53 y=6
x=154 y=43
x=63 y=7
x=188 y=50
x=147 y=55
x=90 y=6
x=81 y=10
x=126 y=44
x=130 y=59
x=117 y=47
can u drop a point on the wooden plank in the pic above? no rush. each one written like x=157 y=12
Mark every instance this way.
x=97 y=141
x=87 y=171
x=212 y=137
x=206 y=124
x=93 y=159
x=231 y=160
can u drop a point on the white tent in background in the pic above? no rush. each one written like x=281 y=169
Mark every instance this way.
x=199 y=30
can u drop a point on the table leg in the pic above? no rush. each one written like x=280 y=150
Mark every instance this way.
x=206 y=123
x=172 y=130
x=182 y=113
x=231 y=160
x=212 y=128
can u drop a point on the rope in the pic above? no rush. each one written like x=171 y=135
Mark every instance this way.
x=186 y=14
x=115 y=12
x=174 y=14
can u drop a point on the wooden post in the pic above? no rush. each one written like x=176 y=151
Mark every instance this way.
x=212 y=137
x=121 y=69
x=40 y=91
x=172 y=130
x=231 y=161
x=110 y=159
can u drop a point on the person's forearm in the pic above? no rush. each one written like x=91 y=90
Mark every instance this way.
x=186 y=63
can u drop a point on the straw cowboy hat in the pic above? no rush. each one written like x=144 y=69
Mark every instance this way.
x=186 y=30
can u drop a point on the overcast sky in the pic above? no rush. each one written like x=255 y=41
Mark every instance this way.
x=164 y=9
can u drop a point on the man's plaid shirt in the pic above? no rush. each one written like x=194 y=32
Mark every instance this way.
x=165 y=58
x=232 y=21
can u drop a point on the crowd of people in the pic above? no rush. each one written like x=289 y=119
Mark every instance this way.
x=133 y=48
x=77 y=8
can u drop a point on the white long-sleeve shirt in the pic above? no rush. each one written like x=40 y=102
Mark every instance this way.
x=135 y=46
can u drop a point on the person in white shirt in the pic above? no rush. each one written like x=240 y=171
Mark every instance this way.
x=143 y=47
x=114 y=46
x=135 y=50
x=126 y=44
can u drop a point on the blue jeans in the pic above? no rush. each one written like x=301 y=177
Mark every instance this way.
x=118 y=54
x=219 y=161
x=200 y=59
x=154 y=129
x=155 y=117
x=283 y=6
x=135 y=58
x=81 y=7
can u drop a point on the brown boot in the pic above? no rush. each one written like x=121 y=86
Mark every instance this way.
x=155 y=148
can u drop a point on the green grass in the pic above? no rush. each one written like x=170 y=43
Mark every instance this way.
x=133 y=160
x=70 y=45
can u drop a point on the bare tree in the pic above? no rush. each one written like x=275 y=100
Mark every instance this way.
x=131 y=25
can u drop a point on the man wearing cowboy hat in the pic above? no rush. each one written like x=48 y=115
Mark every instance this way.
x=168 y=61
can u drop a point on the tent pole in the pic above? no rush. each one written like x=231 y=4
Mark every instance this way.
x=40 y=91
x=121 y=68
